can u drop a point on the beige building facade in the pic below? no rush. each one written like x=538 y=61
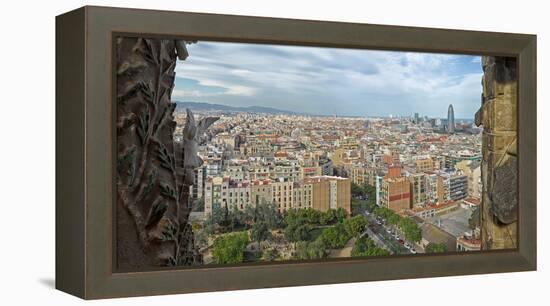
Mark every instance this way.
x=396 y=193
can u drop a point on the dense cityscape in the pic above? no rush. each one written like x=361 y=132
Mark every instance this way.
x=285 y=186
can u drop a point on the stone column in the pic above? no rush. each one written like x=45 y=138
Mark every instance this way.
x=498 y=116
x=151 y=222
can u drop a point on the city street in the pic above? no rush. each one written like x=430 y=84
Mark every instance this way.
x=381 y=236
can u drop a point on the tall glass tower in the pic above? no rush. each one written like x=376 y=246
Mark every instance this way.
x=450 y=120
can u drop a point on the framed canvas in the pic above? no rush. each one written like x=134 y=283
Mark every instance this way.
x=201 y=152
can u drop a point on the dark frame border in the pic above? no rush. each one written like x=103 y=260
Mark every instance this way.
x=84 y=248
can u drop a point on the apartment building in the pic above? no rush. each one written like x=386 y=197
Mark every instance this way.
x=424 y=164
x=222 y=192
x=330 y=192
x=282 y=194
x=395 y=193
x=418 y=188
x=358 y=174
x=472 y=169
x=261 y=192
x=302 y=195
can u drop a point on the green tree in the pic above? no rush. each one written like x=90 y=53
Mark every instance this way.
x=311 y=216
x=364 y=246
x=393 y=219
x=436 y=248
x=328 y=217
x=311 y=250
x=354 y=226
x=376 y=251
x=236 y=219
x=229 y=248
x=369 y=190
x=268 y=213
x=410 y=229
x=213 y=220
x=260 y=232
x=334 y=237
x=297 y=232
x=249 y=214
x=299 y=224
x=307 y=215
x=293 y=217
x=383 y=212
x=356 y=190
x=225 y=217
x=370 y=205
x=341 y=214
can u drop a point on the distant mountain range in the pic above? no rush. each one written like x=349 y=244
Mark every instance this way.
x=200 y=106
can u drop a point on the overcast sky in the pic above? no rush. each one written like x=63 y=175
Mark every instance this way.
x=330 y=81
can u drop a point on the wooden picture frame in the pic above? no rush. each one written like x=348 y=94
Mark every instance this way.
x=85 y=155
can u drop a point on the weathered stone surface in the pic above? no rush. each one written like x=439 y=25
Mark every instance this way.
x=504 y=193
x=499 y=168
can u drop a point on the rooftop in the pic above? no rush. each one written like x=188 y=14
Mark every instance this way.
x=472 y=201
x=454 y=222
x=434 y=234
x=326 y=177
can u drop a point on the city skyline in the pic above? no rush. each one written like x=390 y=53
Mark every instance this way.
x=422 y=174
x=329 y=81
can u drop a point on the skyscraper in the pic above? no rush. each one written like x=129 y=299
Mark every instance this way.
x=450 y=120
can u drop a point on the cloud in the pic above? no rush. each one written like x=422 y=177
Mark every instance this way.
x=230 y=88
x=184 y=95
x=329 y=80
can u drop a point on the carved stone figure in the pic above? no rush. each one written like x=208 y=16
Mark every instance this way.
x=151 y=185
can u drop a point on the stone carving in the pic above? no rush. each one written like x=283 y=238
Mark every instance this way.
x=191 y=134
x=153 y=172
x=499 y=168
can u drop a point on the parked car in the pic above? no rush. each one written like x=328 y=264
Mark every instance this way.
x=396 y=236
x=401 y=241
x=413 y=251
x=407 y=245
